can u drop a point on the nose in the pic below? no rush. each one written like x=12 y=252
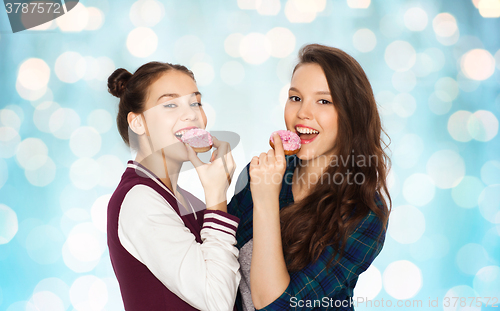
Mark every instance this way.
x=304 y=111
x=188 y=113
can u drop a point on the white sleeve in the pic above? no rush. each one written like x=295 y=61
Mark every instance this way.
x=206 y=275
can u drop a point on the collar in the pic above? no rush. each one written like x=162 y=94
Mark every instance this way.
x=144 y=172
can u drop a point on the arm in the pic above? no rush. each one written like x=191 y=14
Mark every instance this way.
x=316 y=282
x=204 y=275
x=268 y=273
x=215 y=176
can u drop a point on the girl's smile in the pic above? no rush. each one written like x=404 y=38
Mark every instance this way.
x=310 y=112
x=307 y=134
x=178 y=134
x=173 y=108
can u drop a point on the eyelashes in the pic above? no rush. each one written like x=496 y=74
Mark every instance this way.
x=321 y=101
x=196 y=104
x=325 y=102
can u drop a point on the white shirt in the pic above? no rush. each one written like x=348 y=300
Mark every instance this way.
x=206 y=275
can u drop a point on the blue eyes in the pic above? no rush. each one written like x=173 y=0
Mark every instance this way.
x=196 y=104
x=321 y=101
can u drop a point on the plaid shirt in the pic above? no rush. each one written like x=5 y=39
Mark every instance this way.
x=315 y=283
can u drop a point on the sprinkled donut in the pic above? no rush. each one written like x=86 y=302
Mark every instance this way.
x=200 y=140
x=290 y=140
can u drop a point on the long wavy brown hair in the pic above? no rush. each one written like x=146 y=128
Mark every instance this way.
x=326 y=216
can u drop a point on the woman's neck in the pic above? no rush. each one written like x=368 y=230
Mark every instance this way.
x=158 y=164
x=307 y=174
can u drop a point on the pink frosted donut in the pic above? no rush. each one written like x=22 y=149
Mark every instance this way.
x=290 y=140
x=200 y=140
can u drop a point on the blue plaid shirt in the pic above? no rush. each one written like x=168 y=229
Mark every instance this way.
x=315 y=287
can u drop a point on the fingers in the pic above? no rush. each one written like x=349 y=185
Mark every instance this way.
x=228 y=174
x=254 y=163
x=219 y=149
x=222 y=147
x=215 y=142
x=214 y=154
x=278 y=148
x=263 y=159
x=255 y=160
x=192 y=156
x=221 y=152
x=224 y=163
x=270 y=156
x=231 y=165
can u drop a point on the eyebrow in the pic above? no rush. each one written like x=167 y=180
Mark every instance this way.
x=175 y=95
x=317 y=93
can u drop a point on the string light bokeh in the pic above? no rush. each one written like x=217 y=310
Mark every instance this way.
x=435 y=71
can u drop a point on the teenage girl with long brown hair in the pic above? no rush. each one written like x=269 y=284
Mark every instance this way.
x=310 y=223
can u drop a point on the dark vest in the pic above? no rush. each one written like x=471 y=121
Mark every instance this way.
x=140 y=289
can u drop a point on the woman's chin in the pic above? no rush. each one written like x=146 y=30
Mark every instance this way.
x=305 y=154
x=176 y=152
x=182 y=157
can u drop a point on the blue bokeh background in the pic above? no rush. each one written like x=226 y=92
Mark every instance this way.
x=435 y=71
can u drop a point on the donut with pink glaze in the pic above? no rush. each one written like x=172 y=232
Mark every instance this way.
x=290 y=140
x=199 y=139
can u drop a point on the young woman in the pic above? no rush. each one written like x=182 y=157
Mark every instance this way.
x=312 y=222
x=168 y=250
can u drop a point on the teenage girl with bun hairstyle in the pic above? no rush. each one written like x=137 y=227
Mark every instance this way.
x=168 y=249
x=312 y=222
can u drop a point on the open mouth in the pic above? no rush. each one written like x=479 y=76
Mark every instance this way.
x=181 y=132
x=306 y=134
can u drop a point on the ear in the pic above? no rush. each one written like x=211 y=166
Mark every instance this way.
x=136 y=123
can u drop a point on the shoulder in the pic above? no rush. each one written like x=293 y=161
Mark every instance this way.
x=367 y=237
x=371 y=216
x=142 y=191
x=380 y=202
x=369 y=230
x=129 y=188
x=371 y=223
x=142 y=200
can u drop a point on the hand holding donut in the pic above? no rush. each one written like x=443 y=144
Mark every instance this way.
x=199 y=139
x=266 y=173
x=291 y=141
x=216 y=175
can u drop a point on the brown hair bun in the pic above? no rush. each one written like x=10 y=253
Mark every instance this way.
x=117 y=81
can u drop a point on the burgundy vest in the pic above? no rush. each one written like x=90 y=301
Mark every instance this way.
x=140 y=289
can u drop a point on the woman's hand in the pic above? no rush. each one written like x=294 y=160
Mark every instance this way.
x=266 y=173
x=216 y=175
x=268 y=270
